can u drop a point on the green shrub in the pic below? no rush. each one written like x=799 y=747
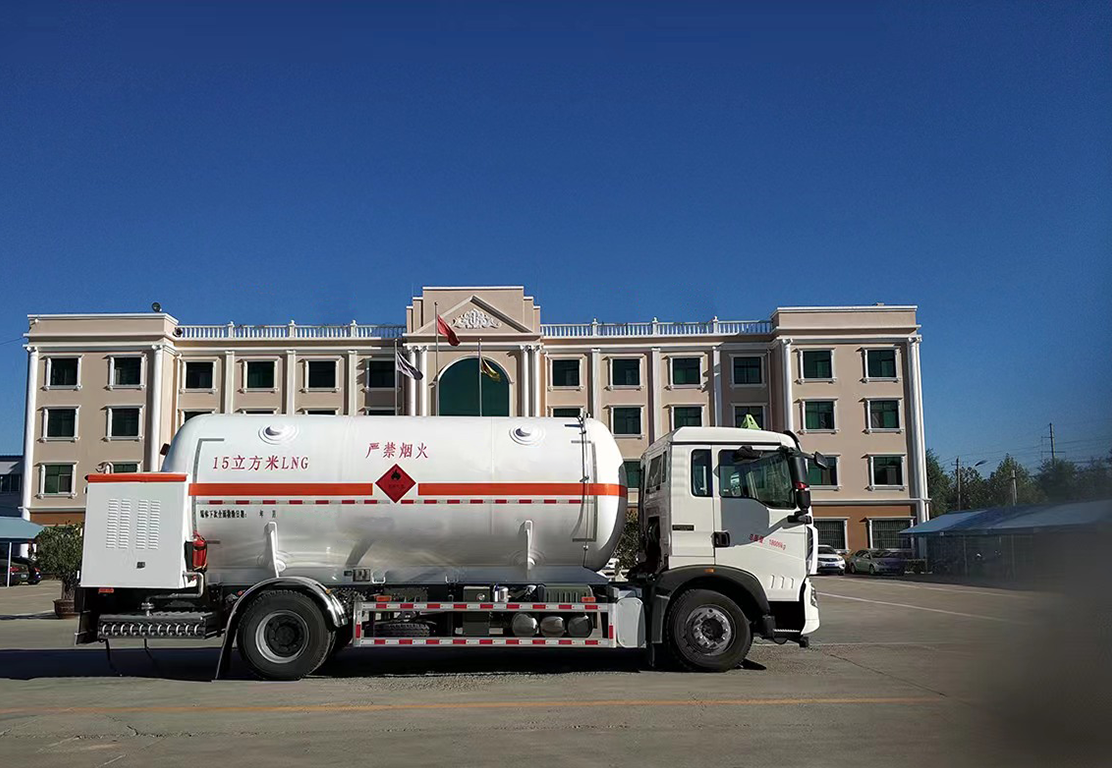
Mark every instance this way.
x=58 y=553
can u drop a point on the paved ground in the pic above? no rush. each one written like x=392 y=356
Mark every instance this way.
x=901 y=673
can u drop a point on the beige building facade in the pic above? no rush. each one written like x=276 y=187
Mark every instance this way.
x=106 y=391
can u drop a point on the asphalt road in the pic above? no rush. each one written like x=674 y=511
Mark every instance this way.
x=901 y=672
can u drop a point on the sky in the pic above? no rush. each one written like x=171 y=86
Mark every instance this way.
x=262 y=162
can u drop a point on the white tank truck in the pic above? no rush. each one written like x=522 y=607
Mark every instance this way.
x=295 y=536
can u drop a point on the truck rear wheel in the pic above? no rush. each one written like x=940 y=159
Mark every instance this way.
x=283 y=635
x=708 y=632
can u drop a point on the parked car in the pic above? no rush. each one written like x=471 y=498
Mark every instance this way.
x=876 y=561
x=23 y=571
x=830 y=561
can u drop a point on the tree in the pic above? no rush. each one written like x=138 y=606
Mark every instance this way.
x=58 y=553
x=1057 y=479
x=939 y=486
x=974 y=490
x=1094 y=479
x=1000 y=484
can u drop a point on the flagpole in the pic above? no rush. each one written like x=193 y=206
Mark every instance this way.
x=480 y=376
x=436 y=360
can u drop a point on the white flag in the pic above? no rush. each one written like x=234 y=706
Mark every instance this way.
x=405 y=367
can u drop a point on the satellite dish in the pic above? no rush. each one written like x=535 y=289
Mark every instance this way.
x=156 y=307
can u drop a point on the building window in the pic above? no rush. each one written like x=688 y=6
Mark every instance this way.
x=626 y=421
x=880 y=363
x=321 y=374
x=123 y=423
x=565 y=373
x=260 y=374
x=381 y=374
x=61 y=423
x=125 y=467
x=823 y=478
x=756 y=411
x=320 y=411
x=62 y=371
x=57 y=479
x=633 y=473
x=127 y=371
x=884 y=414
x=887 y=471
x=625 y=372
x=187 y=415
x=686 y=372
x=818 y=415
x=747 y=370
x=818 y=364
x=258 y=411
x=687 y=416
x=198 y=375
x=832 y=533
x=379 y=411
x=885 y=534
x=11 y=483
x=566 y=413
x=700 y=473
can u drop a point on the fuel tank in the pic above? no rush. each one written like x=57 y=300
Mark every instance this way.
x=400 y=499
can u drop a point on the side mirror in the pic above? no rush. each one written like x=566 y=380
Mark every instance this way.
x=820 y=461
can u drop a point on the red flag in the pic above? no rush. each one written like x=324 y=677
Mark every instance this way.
x=443 y=329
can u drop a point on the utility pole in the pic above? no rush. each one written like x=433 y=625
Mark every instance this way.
x=1015 y=494
x=957 y=473
x=1052 y=456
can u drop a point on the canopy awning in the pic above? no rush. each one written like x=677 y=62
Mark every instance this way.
x=17 y=530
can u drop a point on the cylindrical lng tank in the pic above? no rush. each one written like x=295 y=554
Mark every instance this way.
x=402 y=499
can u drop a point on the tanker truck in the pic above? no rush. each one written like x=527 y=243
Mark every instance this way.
x=295 y=536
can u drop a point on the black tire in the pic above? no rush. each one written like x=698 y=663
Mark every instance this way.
x=284 y=636
x=401 y=629
x=872 y=570
x=708 y=632
x=852 y=568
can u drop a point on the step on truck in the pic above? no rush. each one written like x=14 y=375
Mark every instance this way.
x=295 y=536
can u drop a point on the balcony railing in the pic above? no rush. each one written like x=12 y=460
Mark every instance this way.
x=656 y=328
x=290 y=331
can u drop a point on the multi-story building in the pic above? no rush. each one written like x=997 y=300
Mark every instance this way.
x=106 y=391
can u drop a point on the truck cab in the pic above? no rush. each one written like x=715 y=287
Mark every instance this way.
x=728 y=510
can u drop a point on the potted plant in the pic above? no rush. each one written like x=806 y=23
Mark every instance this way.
x=58 y=552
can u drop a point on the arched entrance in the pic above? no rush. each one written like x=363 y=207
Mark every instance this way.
x=459 y=390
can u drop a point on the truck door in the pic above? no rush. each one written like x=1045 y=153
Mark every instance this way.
x=692 y=519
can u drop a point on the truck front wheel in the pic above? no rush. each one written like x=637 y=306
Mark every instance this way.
x=283 y=635
x=708 y=632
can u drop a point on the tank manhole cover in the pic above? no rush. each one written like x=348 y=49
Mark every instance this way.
x=395 y=483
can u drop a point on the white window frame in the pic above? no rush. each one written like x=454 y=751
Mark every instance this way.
x=108 y=428
x=672 y=413
x=335 y=374
x=42 y=494
x=59 y=387
x=641 y=419
x=552 y=410
x=244 y=362
x=640 y=372
x=803 y=416
x=865 y=362
x=762 y=406
x=367 y=374
x=903 y=472
x=331 y=411
x=76 y=423
x=184 y=368
x=552 y=377
x=910 y=522
x=833 y=371
x=198 y=411
x=393 y=411
x=672 y=371
x=138 y=465
x=112 y=371
x=869 y=415
x=838 y=486
x=845 y=530
x=764 y=371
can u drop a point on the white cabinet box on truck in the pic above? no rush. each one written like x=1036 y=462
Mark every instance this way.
x=295 y=536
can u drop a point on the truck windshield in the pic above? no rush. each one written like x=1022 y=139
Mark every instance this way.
x=766 y=479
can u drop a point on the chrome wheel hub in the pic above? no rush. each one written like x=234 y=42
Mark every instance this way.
x=281 y=636
x=710 y=629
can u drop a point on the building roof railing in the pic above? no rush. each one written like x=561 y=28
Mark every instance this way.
x=655 y=327
x=290 y=331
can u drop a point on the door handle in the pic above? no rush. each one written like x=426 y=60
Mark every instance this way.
x=720 y=538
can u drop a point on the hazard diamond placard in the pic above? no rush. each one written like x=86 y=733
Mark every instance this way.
x=395 y=483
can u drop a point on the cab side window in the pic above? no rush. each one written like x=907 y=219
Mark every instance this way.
x=700 y=473
x=652 y=482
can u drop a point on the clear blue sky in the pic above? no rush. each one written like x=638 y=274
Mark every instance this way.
x=259 y=162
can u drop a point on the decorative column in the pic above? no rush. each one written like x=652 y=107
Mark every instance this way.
x=423 y=366
x=291 y=380
x=656 y=390
x=524 y=388
x=229 y=381
x=786 y=384
x=29 y=478
x=716 y=372
x=154 y=405
x=537 y=349
x=596 y=383
x=351 y=382
x=915 y=433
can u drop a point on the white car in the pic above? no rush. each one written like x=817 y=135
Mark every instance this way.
x=830 y=561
